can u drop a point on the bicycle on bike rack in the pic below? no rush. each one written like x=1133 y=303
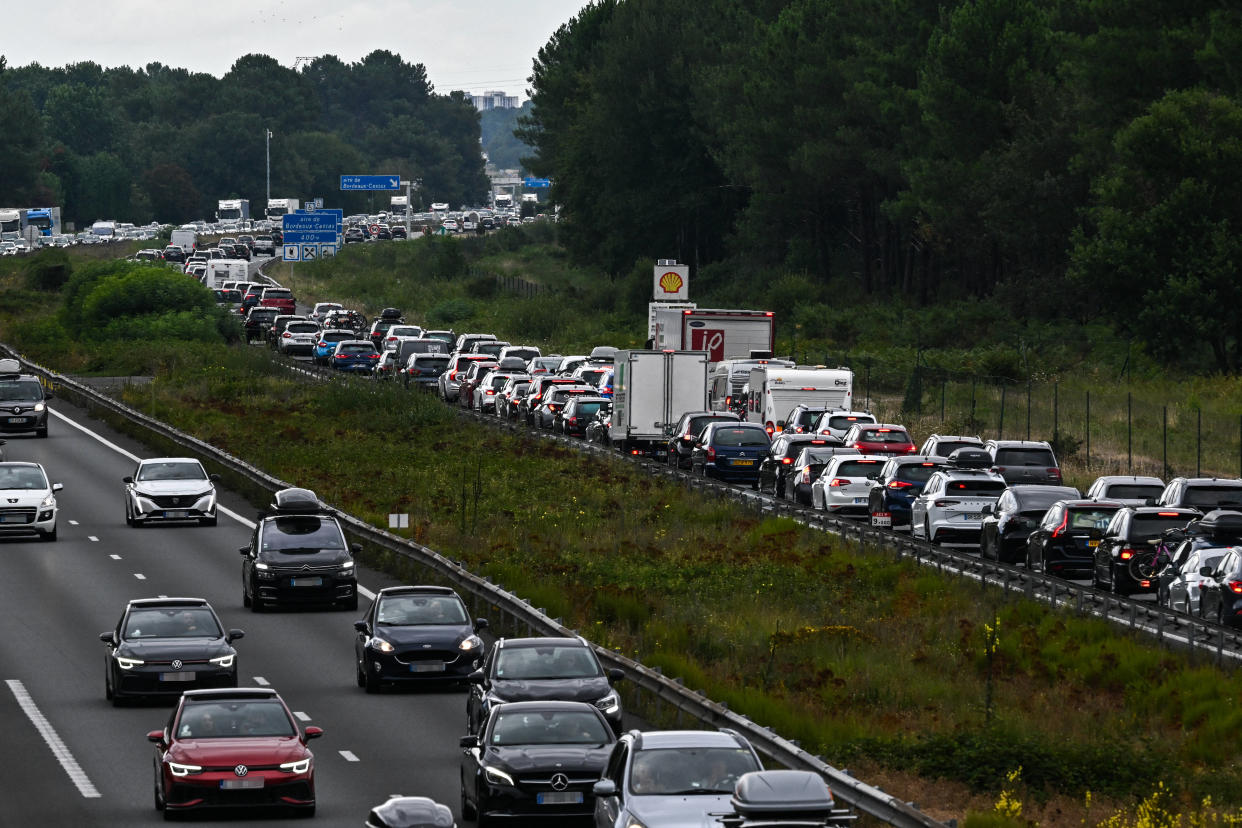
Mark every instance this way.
x=1147 y=565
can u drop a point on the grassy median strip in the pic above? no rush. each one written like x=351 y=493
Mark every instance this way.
x=949 y=692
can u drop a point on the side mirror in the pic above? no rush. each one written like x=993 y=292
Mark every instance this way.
x=106 y=637
x=987 y=509
x=58 y=487
x=156 y=736
x=468 y=741
x=313 y=732
x=48 y=394
x=360 y=626
x=127 y=479
x=480 y=624
x=604 y=787
x=234 y=635
x=245 y=550
x=477 y=677
x=615 y=675
x=1206 y=571
x=355 y=548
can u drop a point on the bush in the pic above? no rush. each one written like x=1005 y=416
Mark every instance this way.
x=450 y=311
x=48 y=270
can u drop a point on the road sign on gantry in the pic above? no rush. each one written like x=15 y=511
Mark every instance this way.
x=370 y=182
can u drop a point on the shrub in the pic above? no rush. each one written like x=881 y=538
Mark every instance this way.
x=48 y=270
x=450 y=311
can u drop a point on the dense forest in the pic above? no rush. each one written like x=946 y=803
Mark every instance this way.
x=1077 y=159
x=165 y=144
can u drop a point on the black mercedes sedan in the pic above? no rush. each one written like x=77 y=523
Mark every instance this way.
x=534 y=759
x=416 y=634
x=165 y=646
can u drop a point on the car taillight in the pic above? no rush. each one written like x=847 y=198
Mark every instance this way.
x=1235 y=587
x=899 y=484
x=322 y=345
x=785 y=461
x=769 y=428
x=711 y=453
x=943 y=503
x=453 y=375
x=797 y=429
x=839 y=481
x=286 y=334
x=391 y=339
x=806 y=475
x=342 y=356
x=1056 y=533
x=572 y=420
x=1055 y=473
x=490 y=392
x=1126 y=554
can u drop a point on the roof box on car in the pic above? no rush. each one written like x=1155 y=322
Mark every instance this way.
x=296 y=500
x=390 y=313
x=10 y=366
x=1220 y=523
x=969 y=457
x=787 y=794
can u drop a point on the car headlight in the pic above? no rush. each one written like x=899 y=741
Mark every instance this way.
x=224 y=661
x=347 y=567
x=178 y=769
x=634 y=823
x=128 y=663
x=496 y=776
x=262 y=567
x=48 y=502
x=382 y=645
x=300 y=766
x=39 y=408
x=470 y=644
x=610 y=703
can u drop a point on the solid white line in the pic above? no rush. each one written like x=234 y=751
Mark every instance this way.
x=140 y=576
x=53 y=741
x=92 y=539
x=349 y=757
x=115 y=557
x=302 y=717
x=98 y=437
x=259 y=680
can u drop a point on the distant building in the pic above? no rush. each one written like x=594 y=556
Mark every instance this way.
x=494 y=99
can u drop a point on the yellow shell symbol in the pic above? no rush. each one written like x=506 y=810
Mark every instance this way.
x=670 y=282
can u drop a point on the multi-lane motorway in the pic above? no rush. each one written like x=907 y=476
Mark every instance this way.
x=71 y=758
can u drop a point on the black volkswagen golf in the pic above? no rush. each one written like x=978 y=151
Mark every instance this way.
x=534 y=759
x=298 y=556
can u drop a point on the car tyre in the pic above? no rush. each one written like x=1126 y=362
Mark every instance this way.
x=467 y=809
x=207 y=521
x=49 y=536
x=158 y=789
x=370 y=682
x=360 y=675
x=927 y=533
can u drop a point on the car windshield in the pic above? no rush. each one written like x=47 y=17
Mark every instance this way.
x=740 y=437
x=682 y=771
x=975 y=488
x=232 y=719
x=1132 y=491
x=22 y=477
x=400 y=610
x=1024 y=457
x=299 y=533
x=548 y=727
x=1090 y=518
x=869 y=469
x=172 y=622
x=22 y=390
x=1213 y=496
x=171 y=470
x=552 y=662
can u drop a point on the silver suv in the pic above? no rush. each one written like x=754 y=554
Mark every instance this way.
x=672 y=777
x=1024 y=461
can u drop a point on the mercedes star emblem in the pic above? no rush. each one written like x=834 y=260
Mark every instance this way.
x=560 y=782
x=241 y=770
x=176 y=664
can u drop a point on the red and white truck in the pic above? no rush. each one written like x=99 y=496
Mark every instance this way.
x=723 y=334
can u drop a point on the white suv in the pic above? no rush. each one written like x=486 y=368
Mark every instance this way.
x=951 y=505
x=846 y=483
x=836 y=423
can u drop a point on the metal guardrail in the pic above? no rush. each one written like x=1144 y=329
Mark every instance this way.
x=517 y=613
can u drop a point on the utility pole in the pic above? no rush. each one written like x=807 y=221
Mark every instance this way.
x=267 y=146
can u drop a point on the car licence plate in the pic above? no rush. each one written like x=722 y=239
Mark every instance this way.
x=860 y=500
x=175 y=513
x=973 y=516
x=176 y=676
x=1093 y=543
x=882 y=520
x=743 y=462
x=427 y=667
x=17 y=419
x=306 y=582
x=559 y=798
x=12 y=518
x=239 y=784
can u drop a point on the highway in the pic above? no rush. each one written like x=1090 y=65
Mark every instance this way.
x=70 y=758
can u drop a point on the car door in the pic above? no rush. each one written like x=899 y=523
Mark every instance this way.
x=1179 y=597
x=1037 y=541
x=989 y=537
x=918 y=509
x=1108 y=546
x=767 y=467
x=248 y=559
x=476 y=708
x=608 y=809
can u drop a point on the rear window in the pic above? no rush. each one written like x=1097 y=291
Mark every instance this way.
x=884 y=435
x=860 y=468
x=431 y=363
x=1025 y=457
x=277 y=294
x=915 y=472
x=805 y=418
x=302 y=327
x=975 y=488
x=1209 y=496
x=740 y=437
x=492 y=349
x=1132 y=491
x=842 y=422
x=356 y=349
x=588 y=408
x=1151 y=524
x=946 y=447
x=524 y=354
x=1089 y=518
x=338 y=337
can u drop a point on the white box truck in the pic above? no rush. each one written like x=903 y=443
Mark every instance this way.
x=220 y=271
x=775 y=390
x=650 y=392
x=399 y=206
x=233 y=210
x=724 y=334
x=278 y=207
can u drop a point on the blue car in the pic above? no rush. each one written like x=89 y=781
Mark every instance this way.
x=605 y=384
x=900 y=482
x=355 y=355
x=730 y=451
x=325 y=348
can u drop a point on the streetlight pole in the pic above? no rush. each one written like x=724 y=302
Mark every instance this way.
x=267 y=146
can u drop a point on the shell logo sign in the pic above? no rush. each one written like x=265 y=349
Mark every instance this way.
x=672 y=283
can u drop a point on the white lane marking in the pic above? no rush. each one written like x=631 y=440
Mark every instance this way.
x=140 y=576
x=348 y=756
x=115 y=557
x=259 y=680
x=302 y=717
x=366 y=593
x=92 y=539
x=53 y=740
x=162 y=596
x=73 y=523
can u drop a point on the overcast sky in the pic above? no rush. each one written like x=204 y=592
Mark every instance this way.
x=474 y=45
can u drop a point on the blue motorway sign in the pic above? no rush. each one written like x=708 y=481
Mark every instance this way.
x=370 y=182
x=536 y=183
x=315 y=222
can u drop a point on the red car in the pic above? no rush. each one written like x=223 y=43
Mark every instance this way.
x=879 y=438
x=280 y=298
x=233 y=748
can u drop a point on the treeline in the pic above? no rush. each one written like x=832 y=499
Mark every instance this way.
x=165 y=144
x=1081 y=159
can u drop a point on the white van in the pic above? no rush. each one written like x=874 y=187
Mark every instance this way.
x=220 y=271
x=187 y=240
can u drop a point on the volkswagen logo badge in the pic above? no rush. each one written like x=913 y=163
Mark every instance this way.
x=560 y=782
x=241 y=770
x=176 y=664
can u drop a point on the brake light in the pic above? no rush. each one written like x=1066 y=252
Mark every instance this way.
x=711 y=453
x=286 y=334
x=769 y=428
x=728 y=401
x=883 y=430
x=452 y=375
x=1168 y=514
x=900 y=484
x=808 y=388
x=323 y=344
x=839 y=481
x=490 y=392
x=1126 y=554
x=1056 y=533
x=1235 y=587
x=342 y=356
x=372 y=356
x=1054 y=472
x=818 y=442
x=572 y=420
x=785 y=461
x=392 y=339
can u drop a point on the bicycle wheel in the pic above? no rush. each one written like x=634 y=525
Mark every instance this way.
x=1142 y=566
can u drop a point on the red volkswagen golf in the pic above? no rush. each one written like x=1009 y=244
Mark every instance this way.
x=233 y=748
